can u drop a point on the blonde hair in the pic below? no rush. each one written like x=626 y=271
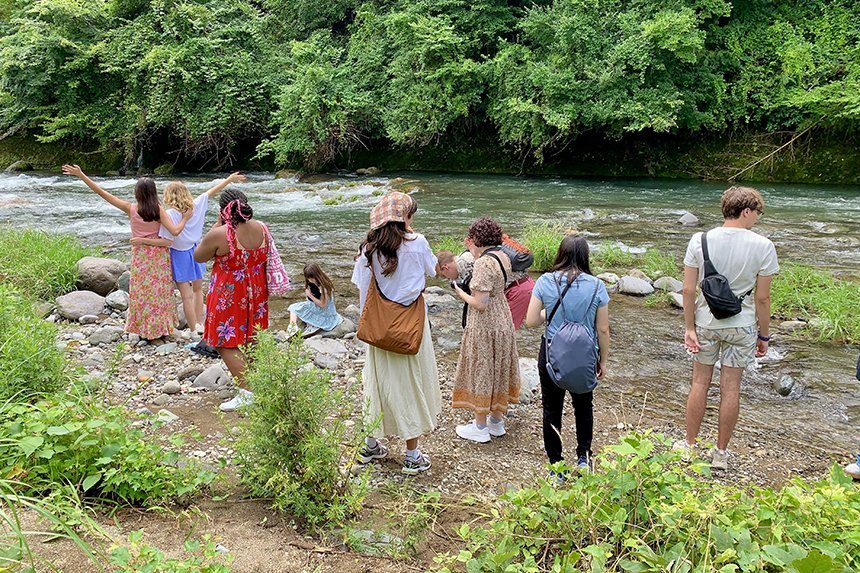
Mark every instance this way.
x=177 y=196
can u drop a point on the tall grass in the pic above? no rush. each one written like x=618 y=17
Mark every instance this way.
x=543 y=240
x=829 y=304
x=449 y=243
x=40 y=264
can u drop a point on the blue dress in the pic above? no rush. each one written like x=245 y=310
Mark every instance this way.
x=325 y=318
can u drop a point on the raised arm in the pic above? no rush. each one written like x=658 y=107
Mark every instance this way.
x=174 y=228
x=232 y=178
x=120 y=204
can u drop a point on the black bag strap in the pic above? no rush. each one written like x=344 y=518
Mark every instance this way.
x=710 y=270
x=498 y=260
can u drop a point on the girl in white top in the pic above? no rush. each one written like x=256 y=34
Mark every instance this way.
x=187 y=273
x=401 y=392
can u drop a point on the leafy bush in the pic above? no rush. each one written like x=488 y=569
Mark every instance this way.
x=40 y=264
x=543 y=240
x=30 y=362
x=645 y=512
x=75 y=439
x=449 y=243
x=293 y=440
x=828 y=303
x=139 y=556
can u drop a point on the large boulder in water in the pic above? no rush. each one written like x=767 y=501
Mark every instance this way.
x=689 y=220
x=76 y=304
x=99 y=275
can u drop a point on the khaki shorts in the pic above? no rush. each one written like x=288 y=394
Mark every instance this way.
x=733 y=347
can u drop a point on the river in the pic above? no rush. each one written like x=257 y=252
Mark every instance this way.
x=325 y=221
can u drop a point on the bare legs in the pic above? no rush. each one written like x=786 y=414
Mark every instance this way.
x=730 y=384
x=192 y=302
x=236 y=364
x=197 y=288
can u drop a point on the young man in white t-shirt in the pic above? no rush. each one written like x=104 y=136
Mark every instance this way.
x=749 y=262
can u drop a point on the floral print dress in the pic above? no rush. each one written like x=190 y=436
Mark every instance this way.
x=238 y=301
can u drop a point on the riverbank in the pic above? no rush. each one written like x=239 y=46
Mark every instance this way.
x=815 y=158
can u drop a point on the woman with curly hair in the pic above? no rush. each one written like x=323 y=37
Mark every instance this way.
x=488 y=377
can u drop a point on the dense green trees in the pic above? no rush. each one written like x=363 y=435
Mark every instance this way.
x=303 y=80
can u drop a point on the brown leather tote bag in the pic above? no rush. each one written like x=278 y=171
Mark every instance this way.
x=390 y=325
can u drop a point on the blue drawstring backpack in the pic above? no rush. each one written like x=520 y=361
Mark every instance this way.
x=571 y=355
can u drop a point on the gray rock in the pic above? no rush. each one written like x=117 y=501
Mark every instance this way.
x=117 y=300
x=166 y=348
x=669 y=284
x=19 y=166
x=171 y=387
x=529 y=380
x=347 y=326
x=327 y=361
x=192 y=371
x=352 y=312
x=165 y=416
x=133 y=338
x=640 y=275
x=368 y=171
x=74 y=305
x=633 y=285
x=106 y=335
x=436 y=290
x=161 y=400
x=89 y=319
x=608 y=278
x=325 y=345
x=784 y=385
x=183 y=322
x=212 y=378
x=122 y=281
x=677 y=299
x=792 y=325
x=446 y=344
x=688 y=220
x=98 y=274
x=439 y=302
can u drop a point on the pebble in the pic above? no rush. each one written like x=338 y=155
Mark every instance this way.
x=161 y=400
x=133 y=338
x=144 y=375
x=166 y=416
x=88 y=319
x=166 y=348
x=171 y=387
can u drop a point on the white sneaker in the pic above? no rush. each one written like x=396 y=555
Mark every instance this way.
x=497 y=429
x=199 y=329
x=685 y=448
x=471 y=431
x=853 y=470
x=243 y=398
x=719 y=459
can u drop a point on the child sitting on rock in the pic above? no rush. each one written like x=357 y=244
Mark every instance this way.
x=317 y=312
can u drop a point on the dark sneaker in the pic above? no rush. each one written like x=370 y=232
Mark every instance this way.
x=584 y=464
x=366 y=455
x=558 y=479
x=204 y=349
x=412 y=466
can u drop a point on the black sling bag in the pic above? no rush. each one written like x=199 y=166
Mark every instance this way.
x=716 y=289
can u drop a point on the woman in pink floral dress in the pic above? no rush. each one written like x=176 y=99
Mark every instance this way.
x=151 y=309
x=238 y=301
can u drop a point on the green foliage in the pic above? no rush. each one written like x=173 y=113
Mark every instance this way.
x=140 y=556
x=543 y=240
x=660 y=299
x=829 y=304
x=30 y=362
x=656 y=263
x=610 y=255
x=40 y=264
x=643 y=511
x=75 y=439
x=449 y=243
x=294 y=437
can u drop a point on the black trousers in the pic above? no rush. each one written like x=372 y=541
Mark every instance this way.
x=552 y=400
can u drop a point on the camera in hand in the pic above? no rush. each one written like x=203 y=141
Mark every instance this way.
x=315 y=290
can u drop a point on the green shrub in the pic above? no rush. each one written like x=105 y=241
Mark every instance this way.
x=75 y=439
x=293 y=440
x=543 y=240
x=449 y=243
x=30 y=362
x=656 y=263
x=660 y=299
x=828 y=303
x=644 y=511
x=139 y=556
x=611 y=256
x=40 y=264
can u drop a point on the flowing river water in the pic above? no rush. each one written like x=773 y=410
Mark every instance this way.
x=326 y=218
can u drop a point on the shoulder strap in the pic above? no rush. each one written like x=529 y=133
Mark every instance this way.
x=710 y=270
x=560 y=298
x=501 y=265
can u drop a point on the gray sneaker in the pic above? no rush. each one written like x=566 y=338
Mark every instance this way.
x=719 y=459
x=412 y=466
x=366 y=455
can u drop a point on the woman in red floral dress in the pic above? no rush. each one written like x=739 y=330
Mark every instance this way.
x=238 y=301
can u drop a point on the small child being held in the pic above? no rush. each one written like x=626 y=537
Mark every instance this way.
x=317 y=312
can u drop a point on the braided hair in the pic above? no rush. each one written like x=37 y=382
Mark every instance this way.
x=234 y=210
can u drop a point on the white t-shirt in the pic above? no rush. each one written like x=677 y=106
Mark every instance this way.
x=415 y=260
x=740 y=255
x=193 y=228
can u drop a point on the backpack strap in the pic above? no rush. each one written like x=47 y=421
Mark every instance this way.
x=501 y=266
x=560 y=299
x=710 y=270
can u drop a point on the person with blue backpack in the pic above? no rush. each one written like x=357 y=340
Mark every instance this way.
x=573 y=305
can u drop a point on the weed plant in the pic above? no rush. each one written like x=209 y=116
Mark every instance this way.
x=829 y=304
x=139 y=556
x=449 y=243
x=294 y=437
x=40 y=264
x=643 y=511
x=75 y=439
x=660 y=299
x=657 y=263
x=30 y=362
x=610 y=255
